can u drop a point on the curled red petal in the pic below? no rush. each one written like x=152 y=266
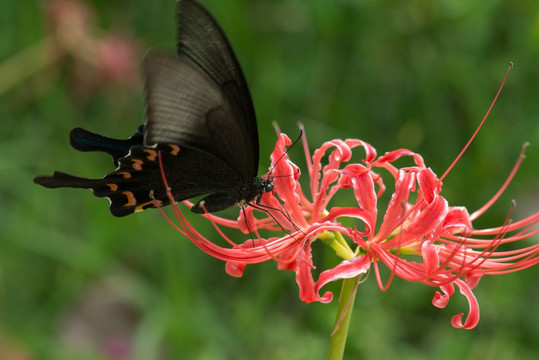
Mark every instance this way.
x=361 y=180
x=304 y=278
x=234 y=269
x=340 y=153
x=431 y=259
x=473 y=279
x=439 y=300
x=428 y=220
x=347 y=269
x=429 y=184
x=473 y=315
x=366 y=216
x=457 y=220
x=396 y=154
x=393 y=217
x=285 y=176
x=370 y=151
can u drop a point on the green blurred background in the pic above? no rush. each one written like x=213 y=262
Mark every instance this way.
x=77 y=283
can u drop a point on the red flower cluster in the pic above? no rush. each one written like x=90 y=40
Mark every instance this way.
x=417 y=223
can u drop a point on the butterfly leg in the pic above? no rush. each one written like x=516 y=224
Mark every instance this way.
x=266 y=209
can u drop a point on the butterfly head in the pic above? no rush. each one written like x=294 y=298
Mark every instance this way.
x=265 y=183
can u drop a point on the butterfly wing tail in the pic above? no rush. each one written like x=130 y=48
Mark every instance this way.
x=84 y=140
x=126 y=195
x=60 y=179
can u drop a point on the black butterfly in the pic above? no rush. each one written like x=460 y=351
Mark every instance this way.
x=200 y=117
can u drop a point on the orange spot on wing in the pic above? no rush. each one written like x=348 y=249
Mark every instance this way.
x=137 y=164
x=113 y=187
x=130 y=198
x=153 y=203
x=152 y=154
x=175 y=149
x=125 y=174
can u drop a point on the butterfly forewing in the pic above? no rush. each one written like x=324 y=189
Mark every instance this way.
x=138 y=180
x=178 y=100
x=202 y=99
x=201 y=39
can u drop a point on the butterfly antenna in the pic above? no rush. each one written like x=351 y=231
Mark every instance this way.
x=287 y=150
x=285 y=213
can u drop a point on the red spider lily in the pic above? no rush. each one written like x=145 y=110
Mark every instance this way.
x=448 y=251
x=441 y=237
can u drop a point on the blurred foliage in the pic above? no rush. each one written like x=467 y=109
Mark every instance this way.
x=415 y=74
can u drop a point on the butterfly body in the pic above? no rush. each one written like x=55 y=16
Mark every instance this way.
x=200 y=119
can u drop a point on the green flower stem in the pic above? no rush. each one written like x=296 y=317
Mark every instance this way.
x=336 y=241
x=342 y=322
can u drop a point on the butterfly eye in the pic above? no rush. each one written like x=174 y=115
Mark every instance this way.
x=268 y=187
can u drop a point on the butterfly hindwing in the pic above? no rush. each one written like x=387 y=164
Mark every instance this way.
x=138 y=180
x=84 y=140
